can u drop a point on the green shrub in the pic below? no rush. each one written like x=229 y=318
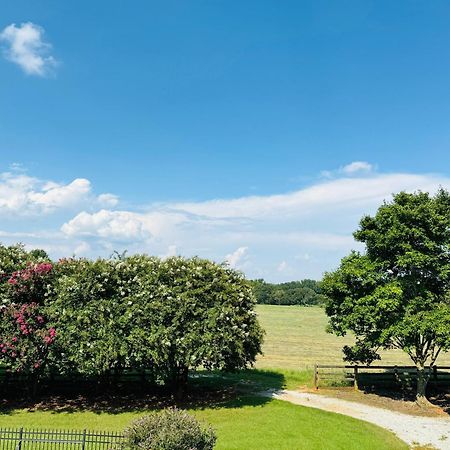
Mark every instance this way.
x=138 y=313
x=141 y=312
x=170 y=429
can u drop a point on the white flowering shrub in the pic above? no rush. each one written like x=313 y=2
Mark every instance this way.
x=170 y=429
x=166 y=316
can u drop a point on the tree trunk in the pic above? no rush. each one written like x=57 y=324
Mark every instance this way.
x=32 y=385
x=422 y=381
x=179 y=381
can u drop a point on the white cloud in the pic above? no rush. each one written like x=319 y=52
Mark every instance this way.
x=107 y=224
x=54 y=195
x=318 y=199
x=108 y=199
x=21 y=195
x=24 y=45
x=233 y=259
x=316 y=222
x=357 y=167
x=121 y=225
x=83 y=248
x=309 y=229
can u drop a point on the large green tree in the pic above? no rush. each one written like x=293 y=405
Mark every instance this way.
x=396 y=293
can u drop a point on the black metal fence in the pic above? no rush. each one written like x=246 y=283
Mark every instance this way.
x=22 y=439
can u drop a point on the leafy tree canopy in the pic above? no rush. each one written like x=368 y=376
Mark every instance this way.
x=396 y=294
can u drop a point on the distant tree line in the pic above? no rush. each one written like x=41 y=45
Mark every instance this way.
x=304 y=292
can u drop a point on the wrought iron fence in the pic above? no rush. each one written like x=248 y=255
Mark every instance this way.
x=23 y=439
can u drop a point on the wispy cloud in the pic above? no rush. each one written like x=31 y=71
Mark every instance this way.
x=233 y=259
x=357 y=167
x=315 y=222
x=24 y=45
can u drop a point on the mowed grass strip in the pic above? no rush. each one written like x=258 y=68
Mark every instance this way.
x=296 y=338
x=247 y=423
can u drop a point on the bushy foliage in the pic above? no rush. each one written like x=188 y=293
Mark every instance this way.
x=139 y=312
x=104 y=316
x=90 y=310
x=170 y=429
x=14 y=259
x=304 y=292
x=26 y=337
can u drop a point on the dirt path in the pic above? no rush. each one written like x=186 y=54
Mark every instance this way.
x=414 y=430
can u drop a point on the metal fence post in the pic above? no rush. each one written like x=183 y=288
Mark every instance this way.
x=19 y=445
x=83 y=444
x=316 y=377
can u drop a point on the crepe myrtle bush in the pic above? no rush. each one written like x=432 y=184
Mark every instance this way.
x=90 y=312
x=169 y=429
x=26 y=337
x=17 y=271
x=141 y=312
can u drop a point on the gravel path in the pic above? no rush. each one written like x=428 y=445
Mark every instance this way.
x=413 y=430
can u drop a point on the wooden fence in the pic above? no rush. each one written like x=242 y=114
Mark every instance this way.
x=22 y=439
x=366 y=377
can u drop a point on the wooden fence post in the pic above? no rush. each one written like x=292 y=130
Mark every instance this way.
x=355 y=379
x=316 y=376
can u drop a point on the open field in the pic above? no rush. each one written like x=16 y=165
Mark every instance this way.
x=296 y=339
x=244 y=423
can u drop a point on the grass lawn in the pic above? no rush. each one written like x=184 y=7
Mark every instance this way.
x=296 y=339
x=245 y=423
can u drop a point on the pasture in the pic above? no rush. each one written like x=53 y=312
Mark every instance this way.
x=296 y=339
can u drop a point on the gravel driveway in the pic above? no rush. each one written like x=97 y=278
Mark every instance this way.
x=413 y=430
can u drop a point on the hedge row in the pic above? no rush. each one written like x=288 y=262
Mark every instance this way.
x=110 y=315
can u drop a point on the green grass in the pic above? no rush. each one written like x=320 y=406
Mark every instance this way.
x=253 y=380
x=246 y=423
x=296 y=339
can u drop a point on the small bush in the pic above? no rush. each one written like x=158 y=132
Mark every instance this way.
x=170 y=429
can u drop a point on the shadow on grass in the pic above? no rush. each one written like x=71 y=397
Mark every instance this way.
x=206 y=390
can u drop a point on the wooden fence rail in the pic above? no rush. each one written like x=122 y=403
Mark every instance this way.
x=22 y=439
x=376 y=375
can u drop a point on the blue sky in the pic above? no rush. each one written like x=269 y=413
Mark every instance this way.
x=257 y=132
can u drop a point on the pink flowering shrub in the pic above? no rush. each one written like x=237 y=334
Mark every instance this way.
x=26 y=338
x=30 y=283
x=25 y=334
